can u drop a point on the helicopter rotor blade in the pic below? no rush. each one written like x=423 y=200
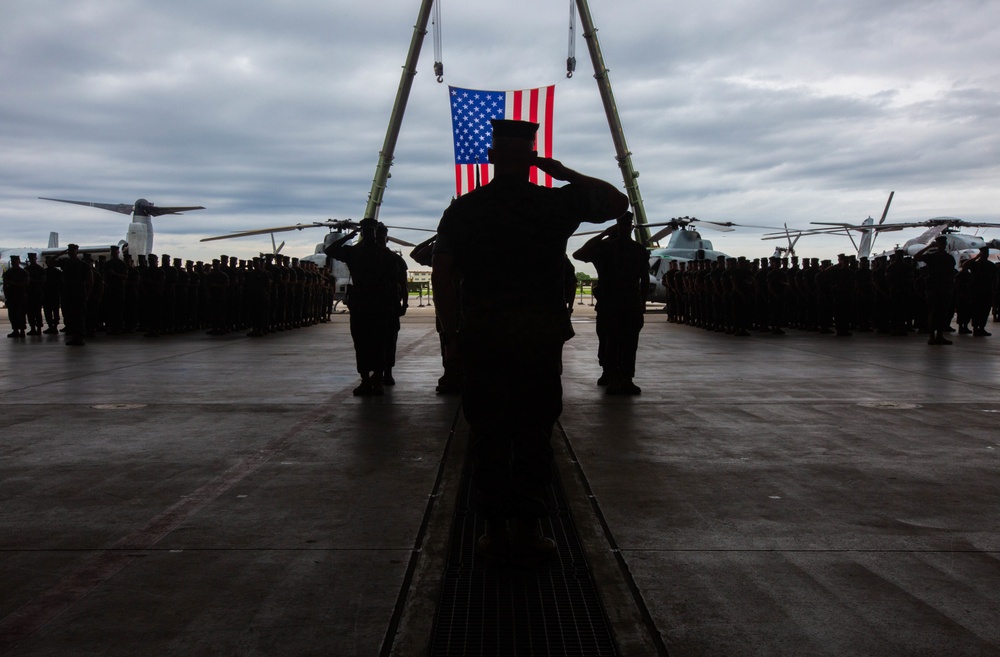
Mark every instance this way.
x=156 y=211
x=886 y=210
x=121 y=208
x=655 y=237
x=330 y=223
x=399 y=241
x=423 y=230
x=716 y=225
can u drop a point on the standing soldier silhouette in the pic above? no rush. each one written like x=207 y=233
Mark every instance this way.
x=980 y=284
x=940 y=270
x=77 y=283
x=403 y=302
x=36 y=294
x=50 y=299
x=115 y=279
x=623 y=284
x=15 y=290
x=373 y=300
x=512 y=335
x=450 y=381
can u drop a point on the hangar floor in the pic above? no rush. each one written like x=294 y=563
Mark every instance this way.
x=771 y=495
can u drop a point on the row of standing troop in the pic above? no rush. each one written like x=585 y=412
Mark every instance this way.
x=891 y=295
x=160 y=295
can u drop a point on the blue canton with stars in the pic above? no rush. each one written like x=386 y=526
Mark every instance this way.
x=471 y=112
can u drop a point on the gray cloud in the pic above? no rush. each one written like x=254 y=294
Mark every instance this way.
x=274 y=113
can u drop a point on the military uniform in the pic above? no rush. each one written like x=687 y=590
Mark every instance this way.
x=939 y=268
x=115 y=280
x=36 y=294
x=623 y=273
x=50 y=298
x=980 y=286
x=373 y=301
x=77 y=282
x=15 y=290
x=512 y=333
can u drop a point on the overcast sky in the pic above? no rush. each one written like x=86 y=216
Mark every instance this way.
x=271 y=113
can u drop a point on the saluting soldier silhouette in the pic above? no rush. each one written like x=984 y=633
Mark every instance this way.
x=512 y=335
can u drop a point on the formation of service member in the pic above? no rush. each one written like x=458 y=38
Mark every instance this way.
x=622 y=287
x=888 y=295
x=15 y=290
x=510 y=336
x=157 y=296
x=373 y=299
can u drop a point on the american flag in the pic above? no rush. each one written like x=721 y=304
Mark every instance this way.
x=471 y=111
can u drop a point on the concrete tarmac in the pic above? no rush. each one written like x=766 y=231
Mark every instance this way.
x=771 y=495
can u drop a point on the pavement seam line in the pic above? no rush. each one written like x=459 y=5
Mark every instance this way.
x=635 y=624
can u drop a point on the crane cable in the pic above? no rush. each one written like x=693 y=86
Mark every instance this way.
x=439 y=64
x=571 y=54
x=436 y=23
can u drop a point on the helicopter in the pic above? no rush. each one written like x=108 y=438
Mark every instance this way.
x=686 y=244
x=960 y=245
x=138 y=240
x=867 y=228
x=338 y=228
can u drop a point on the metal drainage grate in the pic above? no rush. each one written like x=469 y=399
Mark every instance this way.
x=510 y=612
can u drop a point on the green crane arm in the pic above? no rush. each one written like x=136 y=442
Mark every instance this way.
x=623 y=155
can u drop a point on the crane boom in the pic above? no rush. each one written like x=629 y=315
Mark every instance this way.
x=623 y=155
x=387 y=153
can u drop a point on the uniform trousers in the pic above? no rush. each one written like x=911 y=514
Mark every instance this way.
x=511 y=397
x=369 y=330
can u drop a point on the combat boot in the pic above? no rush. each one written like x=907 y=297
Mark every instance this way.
x=494 y=545
x=623 y=387
x=378 y=384
x=529 y=548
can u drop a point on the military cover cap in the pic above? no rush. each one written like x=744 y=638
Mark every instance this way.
x=514 y=129
x=15 y=258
